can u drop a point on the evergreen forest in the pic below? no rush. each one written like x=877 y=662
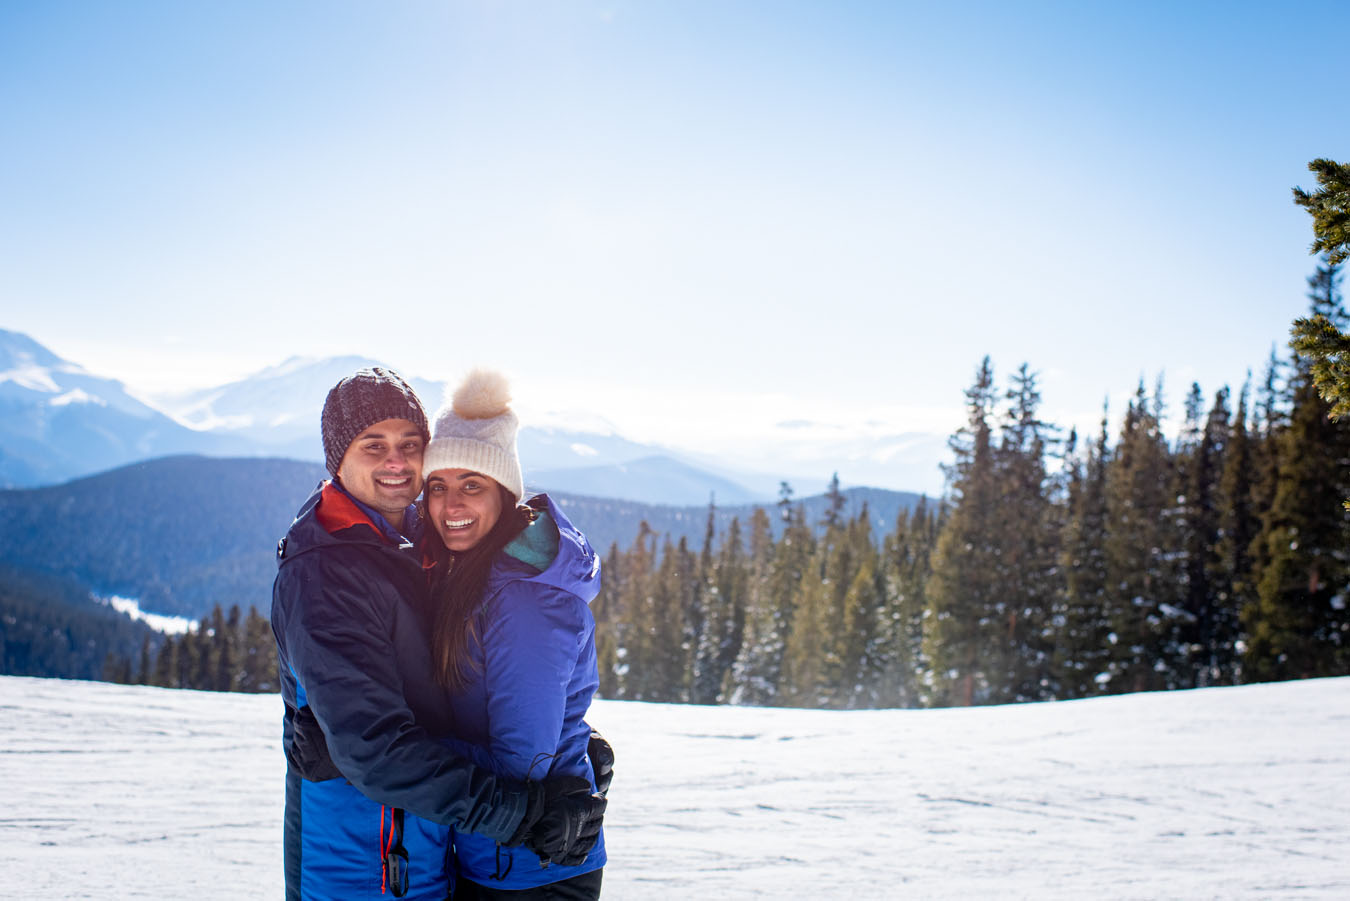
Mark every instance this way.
x=1059 y=566
x=224 y=652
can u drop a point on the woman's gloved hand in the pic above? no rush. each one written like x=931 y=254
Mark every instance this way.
x=562 y=820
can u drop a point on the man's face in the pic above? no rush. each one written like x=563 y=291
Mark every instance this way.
x=383 y=467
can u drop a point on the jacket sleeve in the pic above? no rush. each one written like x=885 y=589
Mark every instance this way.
x=335 y=632
x=531 y=644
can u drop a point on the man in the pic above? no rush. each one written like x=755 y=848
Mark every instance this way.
x=364 y=714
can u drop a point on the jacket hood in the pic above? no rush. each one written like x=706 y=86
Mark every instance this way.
x=575 y=568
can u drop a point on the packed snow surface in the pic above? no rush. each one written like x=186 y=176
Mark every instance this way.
x=127 y=792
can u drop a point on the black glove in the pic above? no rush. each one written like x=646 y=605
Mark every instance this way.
x=562 y=820
x=602 y=761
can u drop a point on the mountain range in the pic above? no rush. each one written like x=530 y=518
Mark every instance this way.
x=58 y=422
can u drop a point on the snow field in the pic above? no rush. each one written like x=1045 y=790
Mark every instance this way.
x=111 y=791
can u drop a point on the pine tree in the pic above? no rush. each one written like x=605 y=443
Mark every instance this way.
x=1027 y=547
x=754 y=674
x=610 y=624
x=834 y=504
x=1269 y=422
x=144 y=674
x=258 y=669
x=1082 y=649
x=766 y=674
x=165 y=664
x=863 y=604
x=644 y=646
x=784 y=502
x=733 y=578
x=1330 y=208
x=907 y=553
x=1142 y=581
x=698 y=601
x=204 y=675
x=722 y=617
x=1238 y=527
x=223 y=647
x=189 y=650
x=1195 y=625
x=804 y=674
x=1299 y=626
x=1320 y=340
x=964 y=593
x=1208 y=598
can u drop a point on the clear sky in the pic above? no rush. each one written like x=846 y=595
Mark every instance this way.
x=695 y=219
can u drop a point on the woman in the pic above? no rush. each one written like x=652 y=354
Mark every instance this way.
x=512 y=636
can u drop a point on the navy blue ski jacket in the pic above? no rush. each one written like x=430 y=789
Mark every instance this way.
x=532 y=678
x=365 y=721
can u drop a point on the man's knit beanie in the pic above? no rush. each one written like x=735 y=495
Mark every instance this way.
x=477 y=431
x=359 y=401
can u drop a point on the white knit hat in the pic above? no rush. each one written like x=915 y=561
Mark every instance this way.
x=477 y=431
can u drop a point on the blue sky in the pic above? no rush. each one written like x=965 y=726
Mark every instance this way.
x=698 y=220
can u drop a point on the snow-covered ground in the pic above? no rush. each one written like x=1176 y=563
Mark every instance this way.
x=126 y=792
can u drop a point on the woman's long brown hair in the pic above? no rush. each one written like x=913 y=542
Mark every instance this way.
x=457 y=584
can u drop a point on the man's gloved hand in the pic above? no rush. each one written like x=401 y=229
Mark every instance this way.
x=602 y=761
x=562 y=820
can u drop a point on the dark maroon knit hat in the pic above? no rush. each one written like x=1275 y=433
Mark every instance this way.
x=359 y=401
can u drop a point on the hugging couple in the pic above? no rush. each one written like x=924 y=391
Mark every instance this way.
x=437 y=659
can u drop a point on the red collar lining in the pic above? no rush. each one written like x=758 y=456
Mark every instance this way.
x=337 y=512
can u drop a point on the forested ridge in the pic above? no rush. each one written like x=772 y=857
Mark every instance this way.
x=1058 y=566
x=50 y=627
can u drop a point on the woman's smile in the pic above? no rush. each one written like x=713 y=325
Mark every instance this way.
x=463 y=506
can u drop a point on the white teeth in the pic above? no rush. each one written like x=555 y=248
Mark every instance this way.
x=393 y=483
x=457 y=523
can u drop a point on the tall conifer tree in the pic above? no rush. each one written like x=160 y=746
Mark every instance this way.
x=964 y=591
x=1142 y=582
x=1300 y=626
x=1239 y=524
x=754 y=674
x=1082 y=649
x=1027 y=547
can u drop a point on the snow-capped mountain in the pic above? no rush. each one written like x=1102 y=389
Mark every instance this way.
x=276 y=410
x=59 y=421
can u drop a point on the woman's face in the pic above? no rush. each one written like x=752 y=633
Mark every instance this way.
x=463 y=506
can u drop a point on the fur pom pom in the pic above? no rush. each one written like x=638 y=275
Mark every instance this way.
x=483 y=395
